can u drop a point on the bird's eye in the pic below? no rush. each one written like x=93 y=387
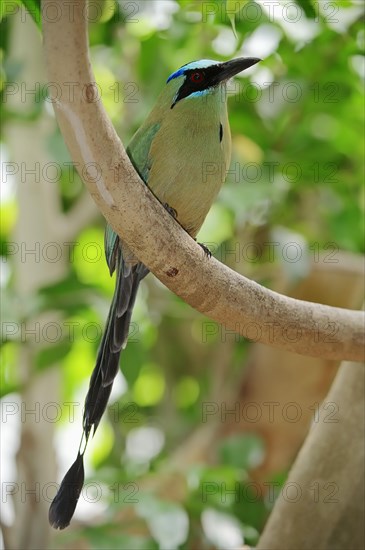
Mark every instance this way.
x=197 y=77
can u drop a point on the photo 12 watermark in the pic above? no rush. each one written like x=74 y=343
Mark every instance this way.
x=249 y=492
x=254 y=412
x=91 y=492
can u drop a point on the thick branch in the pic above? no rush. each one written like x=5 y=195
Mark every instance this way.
x=151 y=233
x=327 y=477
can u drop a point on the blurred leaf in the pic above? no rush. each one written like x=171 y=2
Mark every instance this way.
x=8 y=215
x=101 y=11
x=9 y=377
x=77 y=365
x=104 y=446
x=221 y=529
x=307 y=7
x=110 y=537
x=51 y=355
x=242 y=451
x=219 y=486
x=186 y=392
x=167 y=521
x=34 y=8
x=9 y=7
x=149 y=386
x=218 y=226
x=89 y=259
x=69 y=285
x=250 y=507
x=68 y=296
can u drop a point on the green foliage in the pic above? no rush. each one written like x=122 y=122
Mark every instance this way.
x=242 y=451
x=297 y=128
x=34 y=8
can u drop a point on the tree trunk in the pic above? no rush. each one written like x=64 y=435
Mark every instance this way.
x=40 y=226
x=322 y=503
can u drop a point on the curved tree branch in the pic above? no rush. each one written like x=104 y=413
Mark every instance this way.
x=151 y=233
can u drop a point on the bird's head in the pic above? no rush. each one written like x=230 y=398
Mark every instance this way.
x=200 y=78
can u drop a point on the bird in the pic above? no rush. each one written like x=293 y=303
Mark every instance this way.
x=182 y=153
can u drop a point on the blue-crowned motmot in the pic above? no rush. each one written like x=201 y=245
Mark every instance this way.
x=186 y=132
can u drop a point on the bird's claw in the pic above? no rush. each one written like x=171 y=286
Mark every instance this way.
x=206 y=250
x=173 y=213
x=171 y=210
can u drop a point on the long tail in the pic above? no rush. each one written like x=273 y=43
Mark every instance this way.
x=107 y=364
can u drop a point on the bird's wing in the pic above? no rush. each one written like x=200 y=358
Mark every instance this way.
x=139 y=148
x=138 y=152
x=111 y=241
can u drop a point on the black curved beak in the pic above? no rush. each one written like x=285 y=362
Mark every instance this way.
x=228 y=69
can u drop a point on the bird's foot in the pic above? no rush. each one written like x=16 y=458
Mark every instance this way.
x=206 y=250
x=171 y=210
x=173 y=213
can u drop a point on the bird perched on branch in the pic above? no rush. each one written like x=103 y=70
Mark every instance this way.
x=182 y=152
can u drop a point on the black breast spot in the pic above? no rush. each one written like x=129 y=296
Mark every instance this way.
x=220 y=132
